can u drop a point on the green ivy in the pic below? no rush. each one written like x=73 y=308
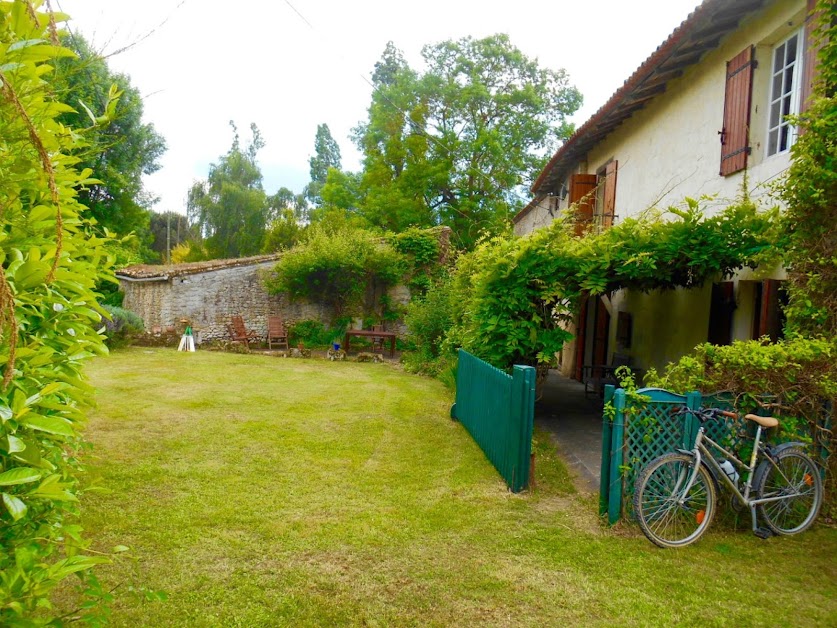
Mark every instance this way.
x=49 y=317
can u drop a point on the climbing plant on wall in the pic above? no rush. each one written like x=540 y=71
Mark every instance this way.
x=810 y=192
x=514 y=293
x=48 y=323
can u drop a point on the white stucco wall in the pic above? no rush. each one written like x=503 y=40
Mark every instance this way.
x=671 y=149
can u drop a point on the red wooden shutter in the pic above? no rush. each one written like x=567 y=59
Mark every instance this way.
x=582 y=193
x=609 y=207
x=809 y=56
x=735 y=136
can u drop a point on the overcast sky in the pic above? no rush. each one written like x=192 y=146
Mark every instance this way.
x=289 y=65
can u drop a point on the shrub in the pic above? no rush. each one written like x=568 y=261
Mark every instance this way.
x=123 y=324
x=337 y=269
x=314 y=334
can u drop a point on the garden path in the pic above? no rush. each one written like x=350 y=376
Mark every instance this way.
x=574 y=421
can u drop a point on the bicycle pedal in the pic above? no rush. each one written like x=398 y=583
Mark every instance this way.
x=763 y=533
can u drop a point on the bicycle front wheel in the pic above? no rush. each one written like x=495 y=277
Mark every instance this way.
x=795 y=481
x=667 y=514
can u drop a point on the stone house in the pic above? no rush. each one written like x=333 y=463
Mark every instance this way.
x=704 y=111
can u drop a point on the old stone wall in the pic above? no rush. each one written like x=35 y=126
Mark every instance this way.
x=208 y=300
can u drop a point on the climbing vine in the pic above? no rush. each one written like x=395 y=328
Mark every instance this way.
x=515 y=294
x=810 y=192
x=49 y=319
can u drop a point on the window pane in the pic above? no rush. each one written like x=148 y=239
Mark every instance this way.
x=779 y=58
x=786 y=105
x=777 y=87
x=774 y=114
x=772 y=141
x=791 y=50
x=788 y=80
x=783 y=143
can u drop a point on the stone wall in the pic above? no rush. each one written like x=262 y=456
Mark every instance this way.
x=208 y=300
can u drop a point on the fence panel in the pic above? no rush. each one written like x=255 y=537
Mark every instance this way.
x=498 y=411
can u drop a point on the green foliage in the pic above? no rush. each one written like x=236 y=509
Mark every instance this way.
x=428 y=318
x=337 y=269
x=513 y=295
x=422 y=250
x=118 y=147
x=123 y=324
x=51 y=261
x=230 y=208
x=810 y=192
x=314 y=334
x=169 y=229
x=326 y=156
x=451 y=145
x=283 y=232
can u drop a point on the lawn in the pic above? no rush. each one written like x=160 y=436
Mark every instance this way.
x=259 y=491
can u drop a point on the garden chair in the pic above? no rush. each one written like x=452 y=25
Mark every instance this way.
x=239 y=333
x=377 y=341
x=276 y=332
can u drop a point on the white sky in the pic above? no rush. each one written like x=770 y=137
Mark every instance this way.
x=208 y=62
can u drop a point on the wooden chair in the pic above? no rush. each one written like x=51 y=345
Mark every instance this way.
x=377 y=341
x=276 y=332
x=239 y=333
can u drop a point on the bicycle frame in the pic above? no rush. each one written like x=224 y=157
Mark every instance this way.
x=703 y=455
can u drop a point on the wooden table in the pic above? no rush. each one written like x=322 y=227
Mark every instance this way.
x=368 y=333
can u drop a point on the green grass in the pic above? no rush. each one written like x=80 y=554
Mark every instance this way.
x=260 y=491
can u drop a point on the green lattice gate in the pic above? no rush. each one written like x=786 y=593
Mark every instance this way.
x=634 y=434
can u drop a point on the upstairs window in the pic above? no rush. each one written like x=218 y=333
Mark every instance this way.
x=785 y=86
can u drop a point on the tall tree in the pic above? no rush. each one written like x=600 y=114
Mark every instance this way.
x=230 y=208
x=119 y=147
x=168 y=229
x=326 y=155
x=454 y=145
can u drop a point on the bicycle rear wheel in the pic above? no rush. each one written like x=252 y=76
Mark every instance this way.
x=794 y=475
x=668 y=516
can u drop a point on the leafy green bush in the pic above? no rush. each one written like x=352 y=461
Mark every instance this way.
x=49 y=316
x=122 y=325
x=337 y=269
x=428 y=319
x=314 y=334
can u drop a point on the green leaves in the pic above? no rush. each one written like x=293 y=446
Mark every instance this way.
x=55 y=318
x=20 y=475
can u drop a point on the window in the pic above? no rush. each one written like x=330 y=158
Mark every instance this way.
x=785 y=83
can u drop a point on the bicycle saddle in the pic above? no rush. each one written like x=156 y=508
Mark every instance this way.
x=764 y=421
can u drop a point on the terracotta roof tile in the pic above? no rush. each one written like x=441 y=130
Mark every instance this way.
x=163 y=272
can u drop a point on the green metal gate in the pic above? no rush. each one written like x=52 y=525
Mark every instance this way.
x=498 y=411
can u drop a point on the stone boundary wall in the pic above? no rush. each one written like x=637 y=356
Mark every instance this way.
x=207 y=300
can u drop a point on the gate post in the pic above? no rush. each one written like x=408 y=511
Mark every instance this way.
x=690 y=425
x=614 y=509
x=607 y=428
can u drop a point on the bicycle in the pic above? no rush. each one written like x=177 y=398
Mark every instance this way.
x=675 y=495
